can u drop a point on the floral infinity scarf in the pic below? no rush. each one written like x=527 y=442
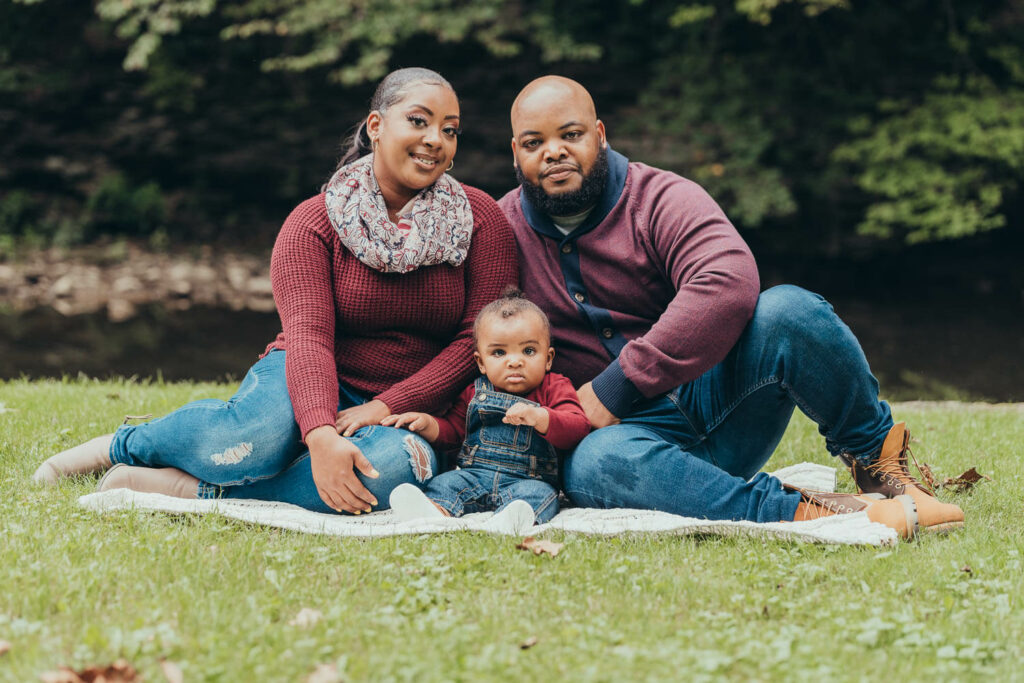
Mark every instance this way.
x=436 y=230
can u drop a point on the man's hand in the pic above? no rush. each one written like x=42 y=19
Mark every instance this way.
x=334 y=460
x=421 y=423
x=595 y=410
x=525 y=414
x=351 y=419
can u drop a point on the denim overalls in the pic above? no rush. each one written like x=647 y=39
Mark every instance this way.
x=498 y=462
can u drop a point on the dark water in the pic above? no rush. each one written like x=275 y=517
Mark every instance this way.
x=919 y=349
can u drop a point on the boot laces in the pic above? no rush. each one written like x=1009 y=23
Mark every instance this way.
x=897 y=469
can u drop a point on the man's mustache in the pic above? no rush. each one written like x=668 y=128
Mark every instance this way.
x=558 y=168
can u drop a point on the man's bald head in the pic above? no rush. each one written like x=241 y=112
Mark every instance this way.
x=552 y=93
x=559 y=146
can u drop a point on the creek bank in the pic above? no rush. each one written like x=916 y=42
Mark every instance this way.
x=121 y=278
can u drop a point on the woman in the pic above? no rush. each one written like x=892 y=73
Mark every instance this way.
x=377 y=281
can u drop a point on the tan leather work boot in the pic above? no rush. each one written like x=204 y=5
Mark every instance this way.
x=899 y=513
x=169 y=481
x=87 y=458
x=889 y=476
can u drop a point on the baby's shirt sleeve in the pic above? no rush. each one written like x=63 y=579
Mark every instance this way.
x=451 y=427
x=567 y=423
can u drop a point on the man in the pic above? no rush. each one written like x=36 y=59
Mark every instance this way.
x=689 y=373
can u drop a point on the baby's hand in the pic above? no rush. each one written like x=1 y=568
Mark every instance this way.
x=421 y=423
x=525 y=414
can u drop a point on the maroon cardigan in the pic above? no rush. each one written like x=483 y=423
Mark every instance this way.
x=404 y=339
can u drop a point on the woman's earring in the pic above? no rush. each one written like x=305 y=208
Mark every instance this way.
x=373 y=144
x=451 y=165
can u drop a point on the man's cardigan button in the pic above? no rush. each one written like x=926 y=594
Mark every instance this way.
x=579 y=297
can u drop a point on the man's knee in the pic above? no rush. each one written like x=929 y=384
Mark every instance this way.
x=788 y=311
x=601 y=464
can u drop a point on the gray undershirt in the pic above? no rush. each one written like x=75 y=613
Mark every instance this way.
x=566 y=224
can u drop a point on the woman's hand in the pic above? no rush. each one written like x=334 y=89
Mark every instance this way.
x=334 y=460
x=525 y=414
x=421 y=423
x=351 y=419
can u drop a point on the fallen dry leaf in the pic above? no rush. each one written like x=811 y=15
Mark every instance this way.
x=965 y=482
x=926 y=474
x=967 y=569
x=5 y=647
x=528 y=643
x=538 y=546
x=118 y=672
x=325 y=673
x=306 y=618
x=172 y=672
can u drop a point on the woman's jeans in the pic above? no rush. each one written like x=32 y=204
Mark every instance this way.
x=694 y=450
x=250 y=446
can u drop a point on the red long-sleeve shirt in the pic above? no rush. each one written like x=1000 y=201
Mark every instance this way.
x=567 y=423
x=404 y=339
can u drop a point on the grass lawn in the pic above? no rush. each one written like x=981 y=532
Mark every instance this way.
x=219 y=598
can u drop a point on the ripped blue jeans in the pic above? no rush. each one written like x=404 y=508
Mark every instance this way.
x=250 y=446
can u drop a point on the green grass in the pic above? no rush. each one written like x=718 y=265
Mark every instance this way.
x=216 y=596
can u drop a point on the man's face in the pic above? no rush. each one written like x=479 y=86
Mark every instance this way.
x=556 y=141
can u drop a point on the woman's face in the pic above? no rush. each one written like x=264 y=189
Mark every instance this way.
x=416 y=140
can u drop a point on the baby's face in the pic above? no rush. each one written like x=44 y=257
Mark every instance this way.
x=515 y=352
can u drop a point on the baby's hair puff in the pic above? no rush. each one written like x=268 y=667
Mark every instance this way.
x=511 y=304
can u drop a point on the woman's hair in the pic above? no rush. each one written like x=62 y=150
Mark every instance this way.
x=511 y=304
x=390 y=91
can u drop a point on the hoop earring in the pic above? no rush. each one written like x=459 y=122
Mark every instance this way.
x=451 y=165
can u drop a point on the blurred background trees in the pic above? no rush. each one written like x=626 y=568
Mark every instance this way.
x=823 y=127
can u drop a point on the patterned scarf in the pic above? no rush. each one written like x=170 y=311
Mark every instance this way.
x=435 y=227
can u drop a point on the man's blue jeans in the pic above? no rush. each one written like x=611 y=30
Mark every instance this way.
x=694 y=450
x=250 y=446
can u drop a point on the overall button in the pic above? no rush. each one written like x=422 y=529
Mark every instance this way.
x=566 y=248
x=607 y=333
x=482 y=396
x=579 y=297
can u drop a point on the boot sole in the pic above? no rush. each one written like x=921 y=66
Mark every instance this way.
x=943 y=528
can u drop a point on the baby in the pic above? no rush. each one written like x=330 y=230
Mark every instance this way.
x=511 y=424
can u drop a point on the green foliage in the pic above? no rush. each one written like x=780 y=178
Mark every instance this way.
x=117 y=206
x=775 y=106
x=18 y=211
x=694 y=119
x=943 y=168
x=355 y=40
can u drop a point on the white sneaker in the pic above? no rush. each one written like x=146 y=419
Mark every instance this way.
x=516 y=519
x=410 y=503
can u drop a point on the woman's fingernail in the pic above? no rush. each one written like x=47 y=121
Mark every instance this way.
x=374 y=474
x=359 y=512
x=374 y=502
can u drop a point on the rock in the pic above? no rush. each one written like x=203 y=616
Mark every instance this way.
x=119 y=310
x=180 y=288
x=64 y=287
x=261 y=286
x=128 y=284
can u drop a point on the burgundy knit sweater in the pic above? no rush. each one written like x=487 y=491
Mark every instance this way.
x=404 y=339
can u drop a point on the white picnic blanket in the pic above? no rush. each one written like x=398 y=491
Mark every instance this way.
x=843 y=529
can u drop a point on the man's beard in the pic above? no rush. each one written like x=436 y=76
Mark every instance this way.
x=572 y=202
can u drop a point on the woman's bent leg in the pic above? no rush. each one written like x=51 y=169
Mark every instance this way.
x=250 y=437
x=398 y=455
